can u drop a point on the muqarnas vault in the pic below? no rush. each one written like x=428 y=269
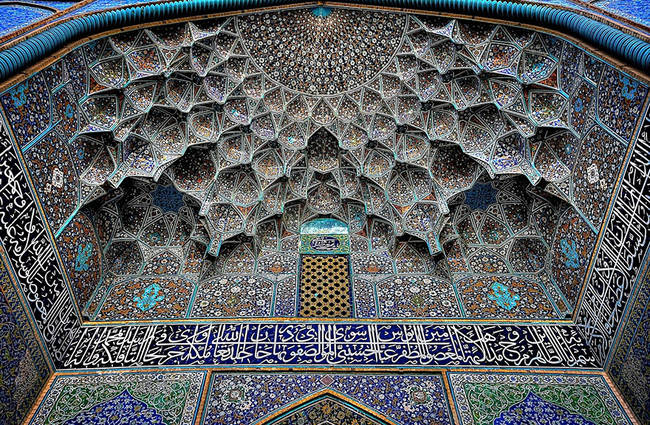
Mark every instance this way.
x=323 y=214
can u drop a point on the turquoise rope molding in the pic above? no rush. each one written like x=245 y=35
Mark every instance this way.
x=626 y=47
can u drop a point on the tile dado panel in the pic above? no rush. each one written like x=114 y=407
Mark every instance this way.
x=515 y=398
x=127 y=398
x=366 y=399
x=363 y=398
x=172 y=398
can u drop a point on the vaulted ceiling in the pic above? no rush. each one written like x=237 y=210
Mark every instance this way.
x=326 y=110
x=449 y=147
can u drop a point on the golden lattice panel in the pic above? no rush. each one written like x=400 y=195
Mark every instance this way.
x=324 y=286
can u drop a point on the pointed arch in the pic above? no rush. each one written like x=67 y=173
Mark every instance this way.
x=324 y=396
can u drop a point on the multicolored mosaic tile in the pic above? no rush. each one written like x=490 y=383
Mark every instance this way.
x=572 y=248
x=24 y=368
x=233 y=296
x=629 y=367
x=16 y=16
x=364 y=296
x=53 y=172
x=198 y=162
x=518 y=398
x=627 y=9
x=176 y=166
x=596 y=170
x=147 y=298
x=286 y=296
x=504 y=296
x=27 y=108
x=416 y=296
x=82 y=256
x=169 y=398
x=620 y=99
x=401 y=399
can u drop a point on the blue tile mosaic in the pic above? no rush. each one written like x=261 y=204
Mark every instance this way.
x=246 y=399
x=23 y=366
x=15 y=16
x=636 y=10
x=181 y=206
x=58 y=5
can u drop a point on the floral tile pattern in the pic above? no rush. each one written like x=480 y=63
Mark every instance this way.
x=403 y=399
x=629 y=366
x=506 y=398
x=24 y=365
x=169 y=398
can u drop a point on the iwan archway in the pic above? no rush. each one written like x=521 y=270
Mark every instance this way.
x=416 y=206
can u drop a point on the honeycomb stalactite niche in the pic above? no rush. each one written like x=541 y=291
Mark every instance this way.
x=196 y=151
x=325 y=286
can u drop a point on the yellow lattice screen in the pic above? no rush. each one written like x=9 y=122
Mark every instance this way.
x=324 y=286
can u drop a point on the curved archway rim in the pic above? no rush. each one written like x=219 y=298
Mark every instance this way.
x=631 y=52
